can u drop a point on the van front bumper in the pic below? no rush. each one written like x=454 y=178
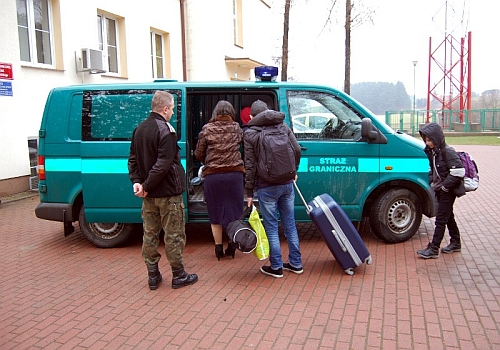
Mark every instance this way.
x=55 y=212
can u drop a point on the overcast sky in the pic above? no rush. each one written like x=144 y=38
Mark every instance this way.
x=384 y=51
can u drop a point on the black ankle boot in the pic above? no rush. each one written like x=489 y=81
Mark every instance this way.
x=431 y=252
x=154 y=276
x=231 y=249
x=181 y=278
x=219 y=253
x=454 y=246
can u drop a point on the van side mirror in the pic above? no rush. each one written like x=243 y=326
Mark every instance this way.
x=370 y=133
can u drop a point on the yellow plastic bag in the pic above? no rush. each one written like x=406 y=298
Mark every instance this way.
x=262 y=249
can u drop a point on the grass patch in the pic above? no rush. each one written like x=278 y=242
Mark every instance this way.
x=473 y=140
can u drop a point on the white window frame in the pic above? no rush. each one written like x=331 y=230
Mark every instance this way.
x=32 y=32
x=237 y=23
x=155 y=55
x=105 y=45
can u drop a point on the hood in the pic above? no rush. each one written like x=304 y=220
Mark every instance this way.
x=268 y=117
x=434 y=132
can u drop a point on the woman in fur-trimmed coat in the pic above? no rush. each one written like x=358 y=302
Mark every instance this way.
x=218 y=148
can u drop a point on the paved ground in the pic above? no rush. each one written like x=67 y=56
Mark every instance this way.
x=63 y=293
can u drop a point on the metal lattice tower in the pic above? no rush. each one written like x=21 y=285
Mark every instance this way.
x=450 y=64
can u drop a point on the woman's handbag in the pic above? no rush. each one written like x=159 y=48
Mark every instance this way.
x=240 y=232
x=262 y=249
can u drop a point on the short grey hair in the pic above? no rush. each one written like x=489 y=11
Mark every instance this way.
x=161 y=99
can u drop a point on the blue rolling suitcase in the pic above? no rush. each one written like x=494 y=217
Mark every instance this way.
x=337 y=230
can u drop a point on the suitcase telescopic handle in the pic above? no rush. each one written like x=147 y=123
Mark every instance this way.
x=308 y=208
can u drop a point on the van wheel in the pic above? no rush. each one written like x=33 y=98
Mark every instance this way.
x=396 y=215
x=103 y=234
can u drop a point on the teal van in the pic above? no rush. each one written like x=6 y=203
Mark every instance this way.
x=371 y=170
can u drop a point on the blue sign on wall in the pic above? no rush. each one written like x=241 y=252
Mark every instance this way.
x=5 y=88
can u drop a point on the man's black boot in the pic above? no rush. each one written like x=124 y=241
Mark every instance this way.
x=181 y=278
x=431 y=252
x=454 y=246
x=154 y=276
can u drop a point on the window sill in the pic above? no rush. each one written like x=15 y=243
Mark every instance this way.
x=28 y=65
x=113 y=75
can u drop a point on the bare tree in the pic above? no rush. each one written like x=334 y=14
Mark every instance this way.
x=355 y=15
x=284 y=52
x=353 y=18
x=490 y=99
x=347 y=68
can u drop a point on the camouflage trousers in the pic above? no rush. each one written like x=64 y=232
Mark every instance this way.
x=166 y=213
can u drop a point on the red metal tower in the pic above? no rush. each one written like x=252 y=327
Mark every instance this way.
x=450 y=67
x=453 y=90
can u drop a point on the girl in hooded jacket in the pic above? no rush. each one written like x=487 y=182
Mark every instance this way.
x=446 y=178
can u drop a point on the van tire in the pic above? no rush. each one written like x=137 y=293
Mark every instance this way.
x=395 y=216
x=105 y=235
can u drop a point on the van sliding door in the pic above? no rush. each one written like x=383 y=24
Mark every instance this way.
x=109 y=117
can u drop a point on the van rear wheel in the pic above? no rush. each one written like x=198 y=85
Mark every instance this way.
x=396 y=215
x=104 y=234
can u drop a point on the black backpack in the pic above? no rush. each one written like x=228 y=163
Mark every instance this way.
x=276 y=160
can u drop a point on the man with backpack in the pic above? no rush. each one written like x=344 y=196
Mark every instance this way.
x=272 y=156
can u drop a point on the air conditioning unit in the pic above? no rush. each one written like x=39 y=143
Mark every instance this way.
x=92 y=61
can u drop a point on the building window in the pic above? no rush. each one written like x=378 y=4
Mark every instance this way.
x=157 y=59
x=238 y=23
x=108 y=40
x=34 y=29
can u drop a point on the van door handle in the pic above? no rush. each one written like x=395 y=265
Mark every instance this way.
x=302 y=148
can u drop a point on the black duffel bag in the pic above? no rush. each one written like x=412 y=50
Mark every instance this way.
x=240 y=232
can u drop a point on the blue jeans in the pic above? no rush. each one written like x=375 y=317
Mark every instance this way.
x=276 y=200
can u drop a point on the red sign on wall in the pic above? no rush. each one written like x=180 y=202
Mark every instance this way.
x=6 y=71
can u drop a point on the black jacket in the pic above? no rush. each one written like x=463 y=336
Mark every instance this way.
x=251 y=144
x=154 y=158
x=443 y=160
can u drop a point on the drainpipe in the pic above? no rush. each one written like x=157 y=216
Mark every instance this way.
x=183 y=38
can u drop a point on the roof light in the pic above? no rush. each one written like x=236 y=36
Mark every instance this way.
x=266 y=73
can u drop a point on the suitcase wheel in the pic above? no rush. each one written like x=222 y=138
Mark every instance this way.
x=350 y=271
x=368 y=260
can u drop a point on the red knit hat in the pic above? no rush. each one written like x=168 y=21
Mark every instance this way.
x=245 y=115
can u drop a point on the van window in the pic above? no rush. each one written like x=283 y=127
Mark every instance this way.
x=318 y=115
x=109 y=116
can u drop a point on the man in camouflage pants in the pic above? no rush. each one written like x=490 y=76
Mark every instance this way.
x=159 y=179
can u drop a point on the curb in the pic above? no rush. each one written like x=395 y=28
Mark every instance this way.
x=18 y=196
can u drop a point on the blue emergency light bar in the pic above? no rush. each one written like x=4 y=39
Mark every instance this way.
x=266 y=73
